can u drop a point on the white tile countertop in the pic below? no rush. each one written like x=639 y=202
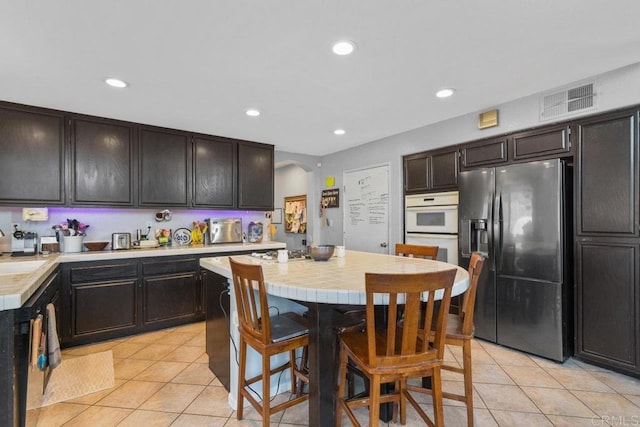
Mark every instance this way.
x=16 y=288
x=336 y=281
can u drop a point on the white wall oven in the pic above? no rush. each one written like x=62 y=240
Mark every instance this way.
x=432 y=220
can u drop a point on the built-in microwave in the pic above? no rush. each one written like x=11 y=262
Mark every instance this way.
x=432 y=213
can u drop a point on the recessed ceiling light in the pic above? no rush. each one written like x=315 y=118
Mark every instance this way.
x=445 y=93
x=344 y=47
x=339 y=131
x=252 y=112
x=116 y=82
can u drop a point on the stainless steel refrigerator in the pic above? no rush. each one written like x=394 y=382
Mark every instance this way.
x=516 y=216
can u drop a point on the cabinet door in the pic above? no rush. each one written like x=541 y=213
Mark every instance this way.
x=607 y=196
x=549 y=142
x=214 y=172
x=486 y=152
x=606 y=302
x=416 y=173
x=171 y=297
x=32 y=157
x=255 y=176
x=102 y=163
x=444 y=170
x=100 y=309
x=165 y=159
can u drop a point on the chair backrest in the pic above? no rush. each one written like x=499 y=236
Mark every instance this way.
x=417 y=251
x=469 y=301
x=246 y=278
x=411 y=346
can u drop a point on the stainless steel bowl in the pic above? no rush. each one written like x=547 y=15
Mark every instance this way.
x=321 y=252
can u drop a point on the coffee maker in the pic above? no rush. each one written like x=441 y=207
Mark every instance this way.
x=23 y=242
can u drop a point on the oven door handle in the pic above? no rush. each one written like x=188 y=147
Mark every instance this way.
x=433 y=236
x=432 y=208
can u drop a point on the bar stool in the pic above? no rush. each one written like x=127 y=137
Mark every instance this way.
x=460 y=333
x=385 y=356
x=268 y=335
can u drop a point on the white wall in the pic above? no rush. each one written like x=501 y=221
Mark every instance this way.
x=616 y=89
x=290 y=181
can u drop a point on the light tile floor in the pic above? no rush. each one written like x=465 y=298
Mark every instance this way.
x=162 y=379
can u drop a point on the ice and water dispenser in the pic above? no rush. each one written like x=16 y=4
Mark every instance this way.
x=474 y=237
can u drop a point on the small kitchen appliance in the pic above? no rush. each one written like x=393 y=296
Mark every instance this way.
x=23 y=242
x=224 y=230
x=120 y=241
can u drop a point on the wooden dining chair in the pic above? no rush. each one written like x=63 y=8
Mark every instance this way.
x=268 y=335
x=460 y=333
x=384 y=356
x=417 y=251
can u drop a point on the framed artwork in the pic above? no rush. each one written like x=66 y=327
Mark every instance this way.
x=276 y=216
x=295 y=214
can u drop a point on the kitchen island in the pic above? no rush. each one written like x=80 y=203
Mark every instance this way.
x=320 y=286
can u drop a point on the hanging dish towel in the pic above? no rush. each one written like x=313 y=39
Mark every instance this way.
x=53 y=344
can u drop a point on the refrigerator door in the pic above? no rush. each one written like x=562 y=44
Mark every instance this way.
x=476 y=204
x=529 y=200
x=530 y=317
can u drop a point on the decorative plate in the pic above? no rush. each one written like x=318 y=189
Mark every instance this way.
x=182 y=236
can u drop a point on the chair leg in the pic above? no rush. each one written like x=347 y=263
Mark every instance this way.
x=241 y=377
x=374 y=401
x=468 y=381
x=342 y=377
x=292 y=367
x=438 y=410
x=266 y=390
x=304 y=367
x=401 y=387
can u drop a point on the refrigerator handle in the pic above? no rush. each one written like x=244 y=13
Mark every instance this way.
x=498 y=248
x=496 y=213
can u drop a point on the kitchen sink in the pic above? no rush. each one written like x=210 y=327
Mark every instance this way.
x=20 y=267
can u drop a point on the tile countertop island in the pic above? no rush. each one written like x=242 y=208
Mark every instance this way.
x=17 y=287
x=320 y=286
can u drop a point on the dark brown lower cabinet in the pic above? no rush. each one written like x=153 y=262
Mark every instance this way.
x=170 y=298
x=124 y=297
x=607 y=305
x=100 y=308
x=102 y=300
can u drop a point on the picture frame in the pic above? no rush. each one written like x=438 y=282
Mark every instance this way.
x=276 y=216
x=295 y=214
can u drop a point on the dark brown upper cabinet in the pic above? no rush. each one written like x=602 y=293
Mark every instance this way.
x=32 y=156
x=214 y=172
x=165 y=165
x=102 y=162
x=548 y=142
x=485 y=152
x=416 y=172
x=431 y=171
x=444 y=170
x=255 y=176
x=607 y=174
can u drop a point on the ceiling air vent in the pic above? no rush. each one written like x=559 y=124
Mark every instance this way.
x=567 y=102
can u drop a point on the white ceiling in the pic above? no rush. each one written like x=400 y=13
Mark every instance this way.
x=199 y=64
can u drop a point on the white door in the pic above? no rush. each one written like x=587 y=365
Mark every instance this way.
x=366 y=209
